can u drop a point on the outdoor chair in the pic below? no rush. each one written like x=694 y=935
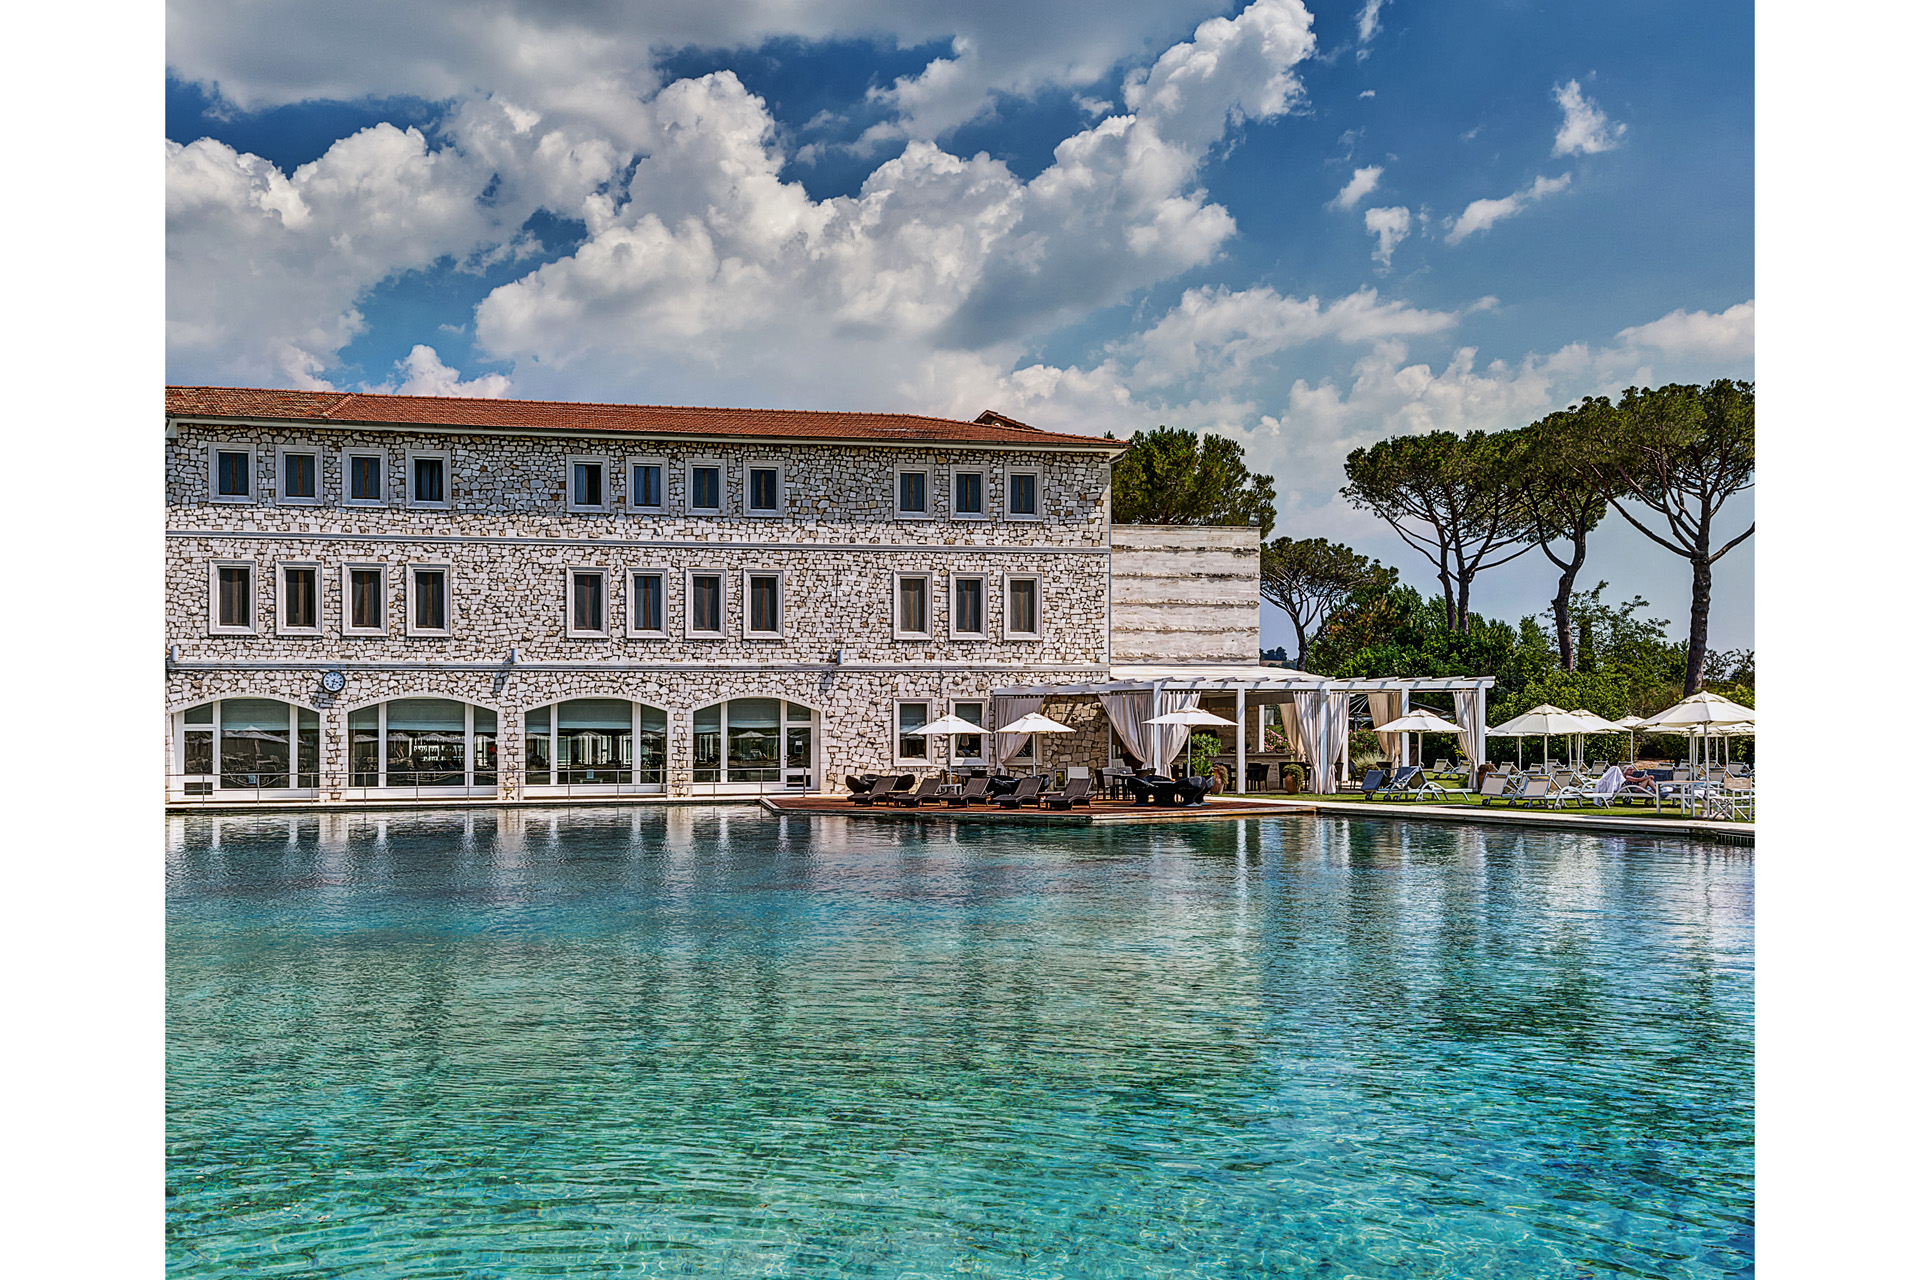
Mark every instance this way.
x=1493 y=786
x=1193 y=790
x=976 y=789
x=880 y=787
x=1256 y=777
x=1027 y=790
x=1398 y=789
x=855 y=786
x=1375 y=779
x=1538 y=790
x=1075 y=793
x=929 y=789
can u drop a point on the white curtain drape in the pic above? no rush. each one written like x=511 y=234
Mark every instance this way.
x=1385 y=707
x=1292 y=725
x=1469 y=712
x=1129 y=713
x=1312 y=737
x=1339 y=717
x=1173 y=737
x=1008 y=707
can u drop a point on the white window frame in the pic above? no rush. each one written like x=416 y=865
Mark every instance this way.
x=926 y=472
x=953 y=493
x=1039 y=606
x=213 y=598
x=1039 y=492
x=779 y=507
x=606 y=597
x=718 y=465
x=214 y=450
x=280 y=457
x=953 y=606
x=346 y=601
x=446 y=478
x=900 y=633
x=413 y=573
x=686 y=612
x=912 y=762
x=746 y=603
x=280 y=625
x=986 y=738
x=606 y=482
x=666 y=602
x=346 y=478
x=633 y=503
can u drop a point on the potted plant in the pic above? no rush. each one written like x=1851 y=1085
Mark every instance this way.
x=1205 y=747
x=1292 y=778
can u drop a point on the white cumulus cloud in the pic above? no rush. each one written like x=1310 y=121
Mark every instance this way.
x=1368 y=25
x=427 y=375
x=1392 y=226
x=1704 y=335
x=1359 y=187
x=1584 y=128
x=1482 y=214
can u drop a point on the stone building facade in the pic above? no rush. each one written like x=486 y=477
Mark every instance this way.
x=385 y=597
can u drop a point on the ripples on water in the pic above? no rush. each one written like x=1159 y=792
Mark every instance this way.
x=720 y=1042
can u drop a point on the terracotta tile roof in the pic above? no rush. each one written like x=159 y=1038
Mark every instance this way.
x=559 y=416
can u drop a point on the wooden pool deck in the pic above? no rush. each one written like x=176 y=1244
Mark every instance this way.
x=1223 y=808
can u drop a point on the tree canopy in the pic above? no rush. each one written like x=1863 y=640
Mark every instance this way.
x=1309 y=578
x=1681 y=451
x=1450 y=498
x=1174 y=476
x=1560 y=500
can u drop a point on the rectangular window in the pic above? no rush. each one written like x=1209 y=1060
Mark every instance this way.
x=647 y=598
x=647 y=486
x=763 y=604
x=428 y=612
x=763 y=491
x=586 y=602
x=909 y=745
x=910 y=494
x=1023 y=495
x=703 y=488
x=429 y=481
x=366 y=478
x=233 y=599
x=969 y=748
x=969 y=612
x=586 y=484
x=969 y=495
x=910 y=606
x=300 y=599
x=299 y=477
x=233 y=475
x=365 y=587
x=706 y=605
x=1023 y=608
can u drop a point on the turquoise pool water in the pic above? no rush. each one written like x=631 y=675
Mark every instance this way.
x=716 y=1042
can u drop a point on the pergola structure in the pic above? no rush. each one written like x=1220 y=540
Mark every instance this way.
x=1315 y=710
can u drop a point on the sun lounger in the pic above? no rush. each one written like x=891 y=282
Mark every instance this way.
x=881 y=788
x=929 y=789
x=1375 y=779
x=976 y=789
x=1492 y=787
x=1538 y=790
x=1075 y=793
x=1026 y=792
x=1401 y=786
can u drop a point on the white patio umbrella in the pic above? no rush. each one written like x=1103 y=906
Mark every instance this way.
x=1191 y=717
x=1417 y=722
x=1034 y=722
x=948 y=724
x=1544 y=719
x=1702 y=708
x=1596 y=723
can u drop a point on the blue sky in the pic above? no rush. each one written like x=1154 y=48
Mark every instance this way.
x=1306 y=226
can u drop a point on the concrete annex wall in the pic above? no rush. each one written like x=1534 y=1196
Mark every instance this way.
x=1185 y=593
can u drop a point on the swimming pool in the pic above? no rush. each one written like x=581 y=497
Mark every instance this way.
x=720 y=1042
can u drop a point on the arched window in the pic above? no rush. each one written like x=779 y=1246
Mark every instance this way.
x=246 y=744
x=764 y=743
x=436 y=744
x=597 y=742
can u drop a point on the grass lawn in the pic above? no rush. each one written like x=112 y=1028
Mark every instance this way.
x=1466 y=801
